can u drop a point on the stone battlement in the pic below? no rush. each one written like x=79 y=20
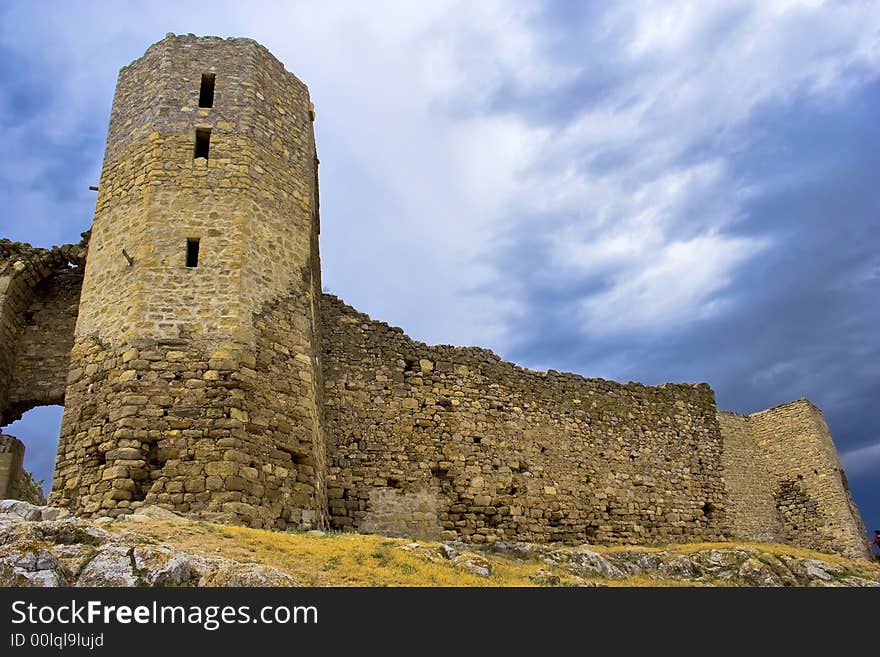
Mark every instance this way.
x=202 y=369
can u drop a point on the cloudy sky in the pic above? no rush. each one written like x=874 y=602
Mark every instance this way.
x=649 y=191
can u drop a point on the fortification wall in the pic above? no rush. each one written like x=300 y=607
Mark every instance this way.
x=786 y=482
x=812 y=494
x=184 y=388
x=453 y=442
x=751 y=502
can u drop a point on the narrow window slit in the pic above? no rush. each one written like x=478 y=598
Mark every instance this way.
x=192 y=252
x=206 y=92
x=203 y=142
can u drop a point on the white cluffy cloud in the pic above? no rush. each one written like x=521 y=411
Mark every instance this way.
x=657 y=226
x=426 y=173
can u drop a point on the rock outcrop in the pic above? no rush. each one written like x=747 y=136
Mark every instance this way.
x=719 y=566
x=713 y=566
x=44 y=546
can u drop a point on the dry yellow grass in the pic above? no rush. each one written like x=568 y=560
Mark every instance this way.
x=334 y=559
x=349 y=559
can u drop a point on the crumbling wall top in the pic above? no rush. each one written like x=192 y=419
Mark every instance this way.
x=41 y=260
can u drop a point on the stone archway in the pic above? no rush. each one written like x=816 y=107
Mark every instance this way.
x=39 y=302
x=27 y=455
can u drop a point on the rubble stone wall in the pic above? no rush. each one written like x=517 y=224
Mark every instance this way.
x=198 y=387
x=785 y=482
x=495 y=451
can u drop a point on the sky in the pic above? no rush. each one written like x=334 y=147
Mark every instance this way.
x=647 y=191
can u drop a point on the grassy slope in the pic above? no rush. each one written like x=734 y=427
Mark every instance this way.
x=348 y=559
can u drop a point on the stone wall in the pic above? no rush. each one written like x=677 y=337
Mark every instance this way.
x=39 y=295
x=786 y=483
x=803 y=459
x=43 y=348
x=485 y=450
x=11 y=467
x=198 y=387
x=750 y=490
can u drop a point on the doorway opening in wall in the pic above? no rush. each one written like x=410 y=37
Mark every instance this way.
x=39 y=429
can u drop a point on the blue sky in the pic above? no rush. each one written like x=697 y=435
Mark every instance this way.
x=676 y=191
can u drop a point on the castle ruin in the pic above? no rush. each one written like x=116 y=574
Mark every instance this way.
x=201 y=367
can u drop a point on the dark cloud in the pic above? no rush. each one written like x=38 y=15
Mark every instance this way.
x=803 y=316
x=45 y=170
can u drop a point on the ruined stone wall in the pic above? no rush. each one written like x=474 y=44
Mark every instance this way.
x=16 y=483
x=183 y=389
x=750 y=488
x=786 y=482
x=455 y=442
x=39 y=291
x=812 y=494
x=42 y=353
x=11 y=467
x=16 y=284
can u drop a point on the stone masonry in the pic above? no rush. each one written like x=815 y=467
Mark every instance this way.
x=201 y=368
x=11 y=467
x=197 y=387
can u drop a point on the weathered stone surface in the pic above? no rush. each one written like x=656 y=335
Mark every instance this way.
x=15 y=481
x=76 y=552
x=28 y=511
x=785 y=483
x=160 y=566
x=37 y=568
x=162 y=367
x=585 y=562
x=757 y=573
x=472 y=563
x=237 y=574
x=503 y=453
x=154 y=513
x=734 y=566
x=111 y=566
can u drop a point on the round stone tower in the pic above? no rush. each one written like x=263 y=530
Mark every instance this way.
x=194 y=379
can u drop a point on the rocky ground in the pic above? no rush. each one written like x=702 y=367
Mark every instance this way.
x=39 y=546
x=42 y=546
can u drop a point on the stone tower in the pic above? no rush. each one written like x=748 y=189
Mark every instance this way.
x=194 y=380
